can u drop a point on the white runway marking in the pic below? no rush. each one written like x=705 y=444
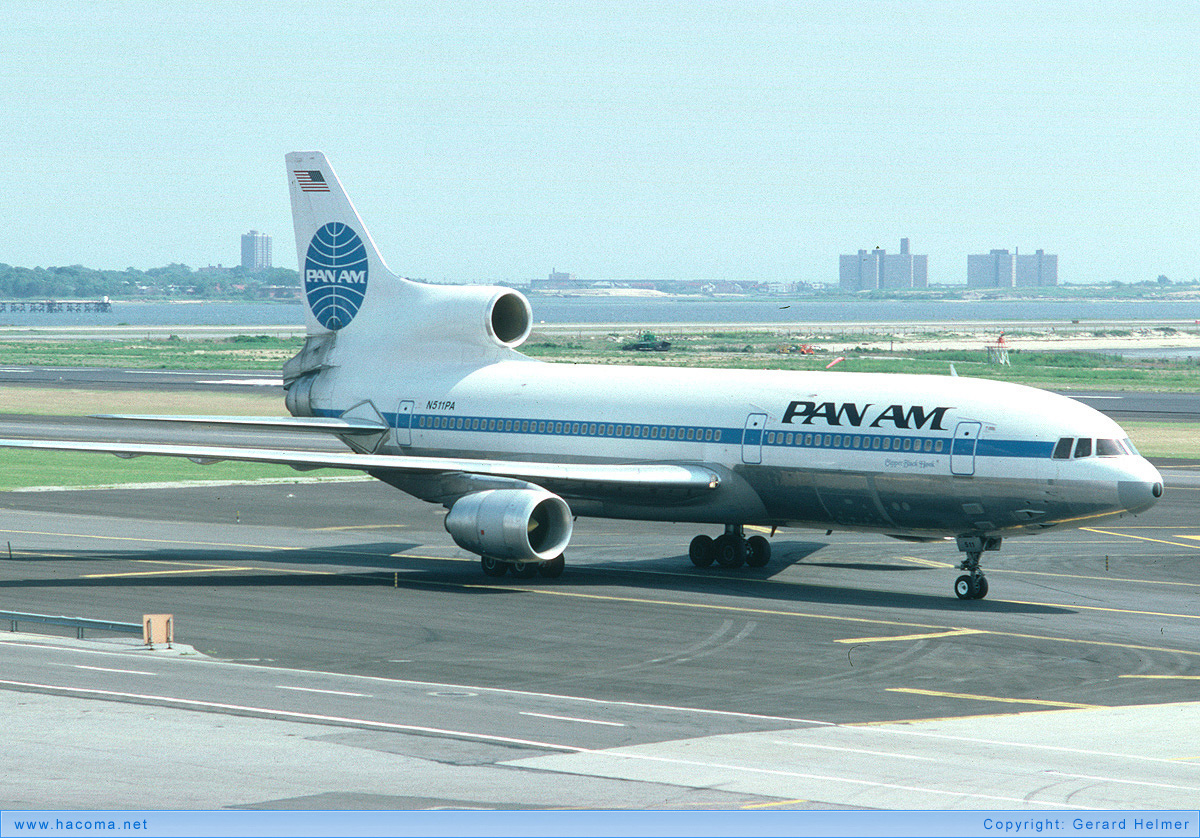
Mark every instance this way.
x=323 y=692
x=106 y=669
x=573 y=719
x=291 y=715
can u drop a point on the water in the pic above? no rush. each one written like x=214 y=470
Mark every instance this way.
x=637 y=310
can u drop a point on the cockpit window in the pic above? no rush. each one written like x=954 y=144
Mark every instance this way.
x=1128 y=443
x=1083 y=448
x=1108 y=448
x=1062 y=451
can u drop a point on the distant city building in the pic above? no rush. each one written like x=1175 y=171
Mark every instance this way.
x=1037 y=269
x=256 y=251
x=1001 y=269
x=872 y=269
x=557 y=281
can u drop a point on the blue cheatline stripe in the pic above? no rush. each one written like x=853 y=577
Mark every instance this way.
x=829 y=438
x=1012 y=448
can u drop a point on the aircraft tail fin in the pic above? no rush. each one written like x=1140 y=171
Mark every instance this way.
x=363 y=319
x=337 y=257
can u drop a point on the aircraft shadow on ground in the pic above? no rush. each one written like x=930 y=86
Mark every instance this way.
x=374 y=564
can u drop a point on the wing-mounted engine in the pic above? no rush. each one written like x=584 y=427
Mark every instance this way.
x=521 y=525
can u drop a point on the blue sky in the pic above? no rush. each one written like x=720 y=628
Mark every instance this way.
x=696 y=140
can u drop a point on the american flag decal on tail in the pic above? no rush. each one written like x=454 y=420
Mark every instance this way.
x=311 y=181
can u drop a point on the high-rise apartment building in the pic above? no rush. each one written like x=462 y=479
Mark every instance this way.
x=1001 y=269
x=872 y=269
x=256 y=251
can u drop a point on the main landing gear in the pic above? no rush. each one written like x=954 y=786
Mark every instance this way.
x=973 y=584
x=550 y=569
x=730 y=550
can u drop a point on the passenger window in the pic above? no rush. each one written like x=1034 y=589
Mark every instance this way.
x=1108 y=448
x=1062 y=451
x=1083 y=448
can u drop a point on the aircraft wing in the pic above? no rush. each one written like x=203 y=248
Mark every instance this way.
x=261 y=423
x=680 y=480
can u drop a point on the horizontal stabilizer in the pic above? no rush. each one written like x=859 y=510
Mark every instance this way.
x=264 y=423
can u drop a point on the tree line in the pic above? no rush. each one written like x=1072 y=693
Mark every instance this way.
x=175 y=280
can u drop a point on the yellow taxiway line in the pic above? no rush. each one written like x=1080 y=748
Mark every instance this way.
x=930 y=636
x=1069 y=705
x=1143 y=538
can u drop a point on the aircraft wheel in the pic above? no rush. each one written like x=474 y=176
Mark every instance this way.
x=758 y=551
x=553 y=569
x=525 y=570
x=493 y=567
x=702 y=551
x=731 y=551
x=964 y=587
x=982 y=588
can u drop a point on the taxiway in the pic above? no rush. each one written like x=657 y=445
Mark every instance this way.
x=349 y=655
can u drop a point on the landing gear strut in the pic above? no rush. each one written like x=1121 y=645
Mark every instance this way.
x=973 y=584
x=730 y=550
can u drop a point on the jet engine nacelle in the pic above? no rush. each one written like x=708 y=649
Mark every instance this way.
x=503 y=319
x=519 y=525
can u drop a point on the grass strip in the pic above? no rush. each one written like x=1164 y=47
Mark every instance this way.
x=22 y=469
x=71 y=401
x=1165 y=439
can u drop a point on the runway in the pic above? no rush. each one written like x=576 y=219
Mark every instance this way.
x=350 y=656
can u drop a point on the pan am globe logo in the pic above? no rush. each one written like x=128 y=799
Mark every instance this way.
x=335 y=275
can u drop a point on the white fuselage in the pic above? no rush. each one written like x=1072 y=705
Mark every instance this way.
x=919 y=456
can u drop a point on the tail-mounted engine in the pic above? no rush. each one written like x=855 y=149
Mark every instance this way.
x=520 y=525
x=502 y=317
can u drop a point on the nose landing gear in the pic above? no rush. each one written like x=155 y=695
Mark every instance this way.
x=973 y=584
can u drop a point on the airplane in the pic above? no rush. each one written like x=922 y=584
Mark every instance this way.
x=427 y=389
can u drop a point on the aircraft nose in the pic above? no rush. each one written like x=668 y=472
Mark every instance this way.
x=1141 y=490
